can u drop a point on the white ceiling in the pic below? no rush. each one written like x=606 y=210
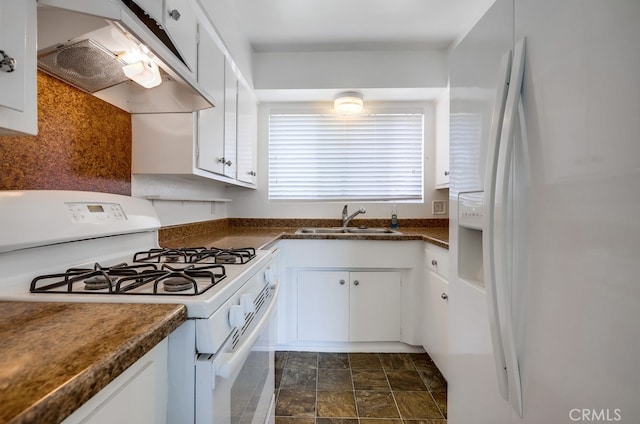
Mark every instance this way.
x=339 y=25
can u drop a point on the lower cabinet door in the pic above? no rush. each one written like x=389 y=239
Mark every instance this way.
x=323 y=306
x=436 y=321
x=138 y=395
x=375 y=306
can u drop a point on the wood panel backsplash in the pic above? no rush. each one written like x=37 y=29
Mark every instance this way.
x=83 y=143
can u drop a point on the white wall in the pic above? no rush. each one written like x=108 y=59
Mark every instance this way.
x=256 y=204
x=350 y=70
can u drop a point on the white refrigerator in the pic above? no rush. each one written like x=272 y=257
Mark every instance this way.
x=544 y=297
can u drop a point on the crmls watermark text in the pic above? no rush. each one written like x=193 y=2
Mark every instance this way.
x=595 y=415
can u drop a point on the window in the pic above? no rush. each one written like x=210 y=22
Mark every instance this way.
x=336 y=157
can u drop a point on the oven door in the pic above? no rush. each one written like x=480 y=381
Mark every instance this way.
x=236 y=385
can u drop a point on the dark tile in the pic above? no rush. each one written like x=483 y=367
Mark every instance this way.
x=376 y=404
x=298 y=378
x=332 y=379
x=365 y=361
x=440 y=396
x=433 y=379
x=432 y=421
x=336 y=421
x=396 y=361
x=294 y=420
x=280 y=359
x=370 y=380
x=333 y=360
x=296 y=403
x=405 y=380
x=278 y=377
x=302 y=360
x=380 y=421
x=336 y=404
x=416 y=405
x=422 y=361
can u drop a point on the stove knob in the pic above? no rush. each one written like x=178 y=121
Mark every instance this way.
x=269 y=276
x=236 y=316
x=246 y=301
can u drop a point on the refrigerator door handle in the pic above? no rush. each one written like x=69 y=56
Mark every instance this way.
x=502 y=267
x=488 y=224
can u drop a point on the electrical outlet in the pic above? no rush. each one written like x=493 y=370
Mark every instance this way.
x=439 y=207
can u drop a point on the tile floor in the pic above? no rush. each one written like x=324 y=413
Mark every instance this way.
x=359 y=388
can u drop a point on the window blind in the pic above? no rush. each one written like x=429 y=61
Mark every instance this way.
x=337 y=157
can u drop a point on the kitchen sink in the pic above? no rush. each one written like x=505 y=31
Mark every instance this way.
x=347 y=230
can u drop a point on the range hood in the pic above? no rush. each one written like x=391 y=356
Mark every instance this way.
x=88 y=43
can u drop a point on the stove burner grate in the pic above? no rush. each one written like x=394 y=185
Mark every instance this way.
x=182 y=279
x=225 y=256
x=196 y=255
x=166 y=255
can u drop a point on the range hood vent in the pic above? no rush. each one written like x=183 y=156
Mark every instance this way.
x=87 y=44
x=154 y=27
x=85 y=64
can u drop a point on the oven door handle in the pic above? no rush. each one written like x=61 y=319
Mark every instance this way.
x=231 y=361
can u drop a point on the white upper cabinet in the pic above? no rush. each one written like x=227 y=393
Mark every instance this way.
x=180 y=23
x=210 y=132
x=18 y=85
x=205 y=143
x=247 y=135
x=230 y=121
x=155 y=8
x=442 y=141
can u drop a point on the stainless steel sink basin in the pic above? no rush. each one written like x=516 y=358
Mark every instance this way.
x=348 y=230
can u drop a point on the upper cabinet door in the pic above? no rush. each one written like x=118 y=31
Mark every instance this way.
x=180 y=23
x=18 y=96
x=211 y=66
x=230 y=121
x=442 y=141
x=247 y=134
x=153 y=8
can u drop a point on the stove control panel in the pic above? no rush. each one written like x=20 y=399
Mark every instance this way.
x=81 y=212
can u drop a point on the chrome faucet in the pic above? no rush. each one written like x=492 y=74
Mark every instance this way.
x=346 y=218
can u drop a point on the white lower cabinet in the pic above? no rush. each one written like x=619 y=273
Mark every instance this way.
x=349 y=306
x=138 y=395
x=18 y=101
x=436 y=306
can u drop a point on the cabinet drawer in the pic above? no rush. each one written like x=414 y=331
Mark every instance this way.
x=437 y=260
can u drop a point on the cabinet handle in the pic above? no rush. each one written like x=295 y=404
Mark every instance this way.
x=252 y=173
x=444 y=296
x=228 y=163
x=434 y=262
x=342 y=282
x=7 y=63
x=446 y=173
x=175 y=14
x=356 y=282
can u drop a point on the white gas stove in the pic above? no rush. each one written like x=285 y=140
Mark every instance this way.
x=72 y=246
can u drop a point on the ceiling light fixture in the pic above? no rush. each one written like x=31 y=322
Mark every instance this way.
x=348 y=102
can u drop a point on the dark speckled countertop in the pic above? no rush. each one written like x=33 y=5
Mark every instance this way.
x=56 y=356
x=261 y=233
